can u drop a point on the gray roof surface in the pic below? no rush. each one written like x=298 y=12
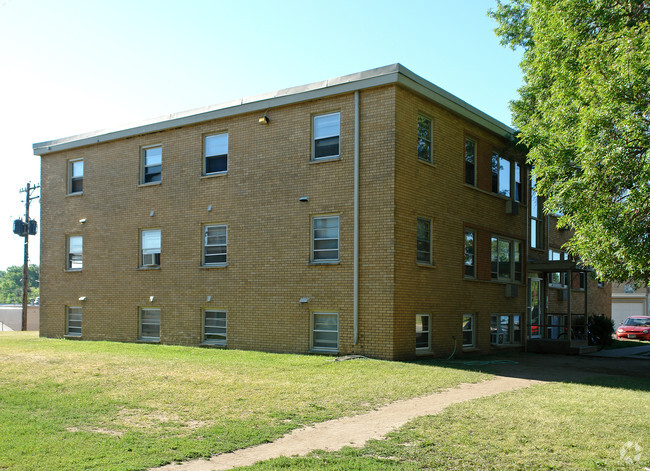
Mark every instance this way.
x=390 y=74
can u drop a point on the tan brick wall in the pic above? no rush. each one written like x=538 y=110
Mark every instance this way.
x=268 y=270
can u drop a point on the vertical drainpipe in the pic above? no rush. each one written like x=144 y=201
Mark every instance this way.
x=355 y=275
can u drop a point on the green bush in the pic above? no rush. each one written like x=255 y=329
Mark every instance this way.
x=601 y=328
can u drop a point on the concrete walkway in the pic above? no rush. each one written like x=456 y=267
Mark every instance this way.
x=353 y=431
x=642 y=352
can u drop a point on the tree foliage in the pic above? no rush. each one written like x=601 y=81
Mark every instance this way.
x=11 y=284
x=584 y=113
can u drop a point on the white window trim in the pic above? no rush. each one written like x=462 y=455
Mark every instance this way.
x=143 y=166
x=68 y=262
x=142 y=254
x=326 y=261
x=206 y=157
x=67 y=321
x=146 y=338
x=207 y=341
x=313 y=330
x=417 y=251
x=205 y=246
x=429 y=160
x=71 y=178
x=428 y=332
x=513 y=270
x=472 y=330
x=313 y=139
x=495 y=336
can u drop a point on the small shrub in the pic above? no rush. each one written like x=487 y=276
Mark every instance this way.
x=601 y=328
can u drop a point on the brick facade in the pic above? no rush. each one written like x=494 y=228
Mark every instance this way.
x=269 y=228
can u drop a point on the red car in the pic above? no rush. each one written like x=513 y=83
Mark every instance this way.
x=636 y=327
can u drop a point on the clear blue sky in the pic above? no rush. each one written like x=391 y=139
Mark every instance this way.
x=73 y=66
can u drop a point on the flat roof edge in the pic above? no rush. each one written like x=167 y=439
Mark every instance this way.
x=394 y=73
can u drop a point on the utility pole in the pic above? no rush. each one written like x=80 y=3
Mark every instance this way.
x=28 y=228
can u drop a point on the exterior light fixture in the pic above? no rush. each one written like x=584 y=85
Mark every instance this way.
x=264 y=119
x=208 y=299
x=83 y=221
x=304 y=300
x=151 y=213
x=82 y=298
x=151 y=298
x=304 y=199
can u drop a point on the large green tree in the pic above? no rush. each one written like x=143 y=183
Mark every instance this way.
x=584 y=113
x=11 y=284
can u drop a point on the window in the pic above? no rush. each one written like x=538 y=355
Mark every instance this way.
x=422 y=332
x=73 y=325
x=215 y=154
x=505 y=329
x=325 y=331
x=424 y=241
x=506 y=259
x=149 y=324
x=557 y=279
x=327 y=131
x=150 y=248
x=215 y=245
x=582 y=280
x=75 y=252
x=470 y=161
x=424 y=139
x=518 y=182
x=325 y=239
x=500 y=175
x=470 y=254
x=535 y=221
x=468 y=330
x=628 y=289
x=75 y=176
x=214 y=327
x=151 y=164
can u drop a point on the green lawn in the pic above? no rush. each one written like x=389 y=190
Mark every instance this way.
x=557 y=426
x=70 y=405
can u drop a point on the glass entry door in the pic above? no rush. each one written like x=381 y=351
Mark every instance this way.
x=534 y=307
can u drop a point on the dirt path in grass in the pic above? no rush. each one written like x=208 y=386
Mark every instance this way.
x=354 y=431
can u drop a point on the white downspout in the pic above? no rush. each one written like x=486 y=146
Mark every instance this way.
x=355 y=275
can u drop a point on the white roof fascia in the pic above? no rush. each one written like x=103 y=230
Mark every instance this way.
x=390 y=74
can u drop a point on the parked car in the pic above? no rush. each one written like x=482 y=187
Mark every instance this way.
x=635 y=327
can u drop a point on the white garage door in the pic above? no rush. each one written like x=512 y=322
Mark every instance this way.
x=623 y=310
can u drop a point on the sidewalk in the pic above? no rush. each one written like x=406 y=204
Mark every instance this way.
x=642 y=352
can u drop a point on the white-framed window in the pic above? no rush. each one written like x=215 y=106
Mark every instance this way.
x=73 y=321
x=327 y=136
x=470 y=253
x=424 y=241
x=423 y=332
x=149 y=324
x=558 y=279
x=500 y=175
x=151 y=166
x=470 y=161
x=535 y=220
x=150 y=248
x=425 y=139
x=468 y=331
x=215 y=154
x=506 y=258
x=214 y=327
x=519 y=188
x=325 y=239
x=75 y=176
x=325 y=331
x=505 y=329
x=75 y=252
x=215 y=244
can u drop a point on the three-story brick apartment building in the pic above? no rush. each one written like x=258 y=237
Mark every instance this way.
x=373 y=214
